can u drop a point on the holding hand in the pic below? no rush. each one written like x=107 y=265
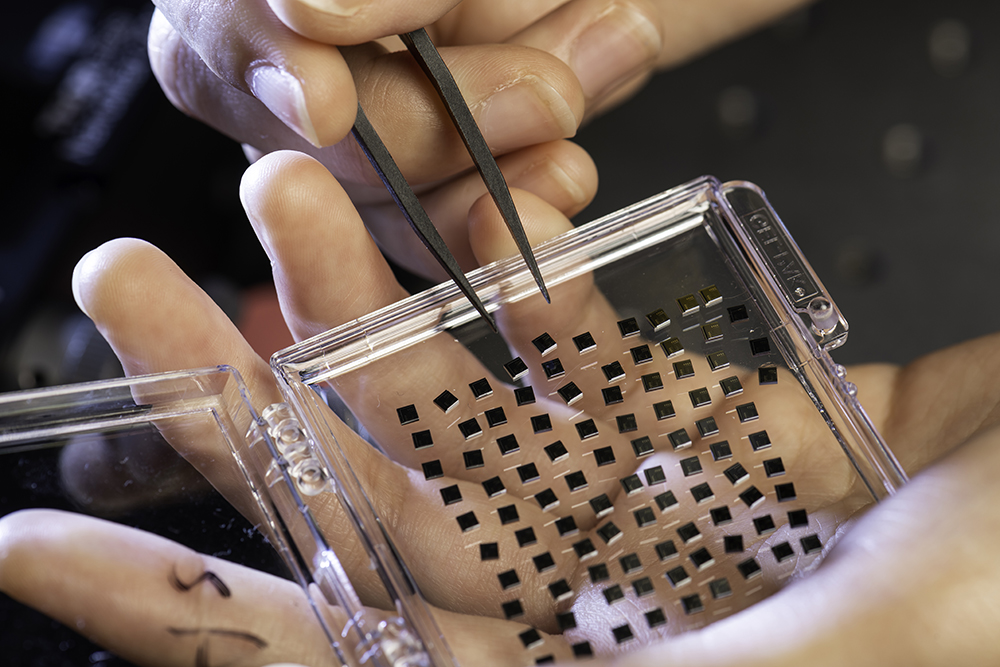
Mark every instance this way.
x=911 y=582
x=289 y=74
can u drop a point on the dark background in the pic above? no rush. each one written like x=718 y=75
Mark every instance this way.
x=874 y=127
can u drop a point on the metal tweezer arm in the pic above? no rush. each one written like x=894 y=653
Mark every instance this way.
x=412 y=209
x=420 y=45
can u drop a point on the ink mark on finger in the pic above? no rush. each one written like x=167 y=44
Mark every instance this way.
x=206 y=634
x=251 y=638
x=207 y=575
x=201 y=657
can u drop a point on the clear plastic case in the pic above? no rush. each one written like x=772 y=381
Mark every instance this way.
x=664 y=445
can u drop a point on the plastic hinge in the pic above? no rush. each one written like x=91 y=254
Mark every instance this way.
x=286 y=432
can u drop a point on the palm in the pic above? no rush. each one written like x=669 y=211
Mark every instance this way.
x=924 y=411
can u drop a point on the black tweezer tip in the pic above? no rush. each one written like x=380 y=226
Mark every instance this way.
x=529 y=259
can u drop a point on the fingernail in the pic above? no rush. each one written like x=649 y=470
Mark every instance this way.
x=252 y=154
x=336 y=7
x=282 y=94
x=81 y=273
x=527 y=112
x=620 y=42
x=258 y=229
x=249 y=189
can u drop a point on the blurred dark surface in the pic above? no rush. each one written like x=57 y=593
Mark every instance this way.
x=873 y=127
x=879 y=151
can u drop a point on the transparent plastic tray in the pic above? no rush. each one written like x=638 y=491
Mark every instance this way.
x=664 y=445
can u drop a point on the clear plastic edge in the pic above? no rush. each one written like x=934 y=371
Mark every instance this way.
x=58 y=412
x=301 y=366
x=38 y=418
x=444 y=305
x=421 y=635
x=803 y=337
x=807 y=350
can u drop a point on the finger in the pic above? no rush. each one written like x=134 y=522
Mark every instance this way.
x=613 y=45
x=155 y=602
x=339 y=275
x=328 y=270
x=156 y=320
x=305 y=84
x=519 y=97
x=935 y=403
x=561 y=173
x=485 y=22
x=148 y=599
x=577 y=306
x=605 y=42
x=316 y=243
x=125 y=285
x=357 y=21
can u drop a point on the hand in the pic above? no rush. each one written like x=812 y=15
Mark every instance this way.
x=288 y=74
x=911 y=582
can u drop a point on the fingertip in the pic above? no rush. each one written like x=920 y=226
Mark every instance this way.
x=326 y=266
x=128 y=287
x=13 y=527
x=27 y=537
x=94 y=276
x=541 y=100
x=81 y=275
x=268 y=165
x=281 y=189
x=264 y=182
x=313 y=94
x=155 y=317
x=488 y=233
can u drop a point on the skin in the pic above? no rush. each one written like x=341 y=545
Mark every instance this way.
x=288 y=74
x=914 y=581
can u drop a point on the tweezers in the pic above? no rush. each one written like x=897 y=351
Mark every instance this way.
x=423 y=50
